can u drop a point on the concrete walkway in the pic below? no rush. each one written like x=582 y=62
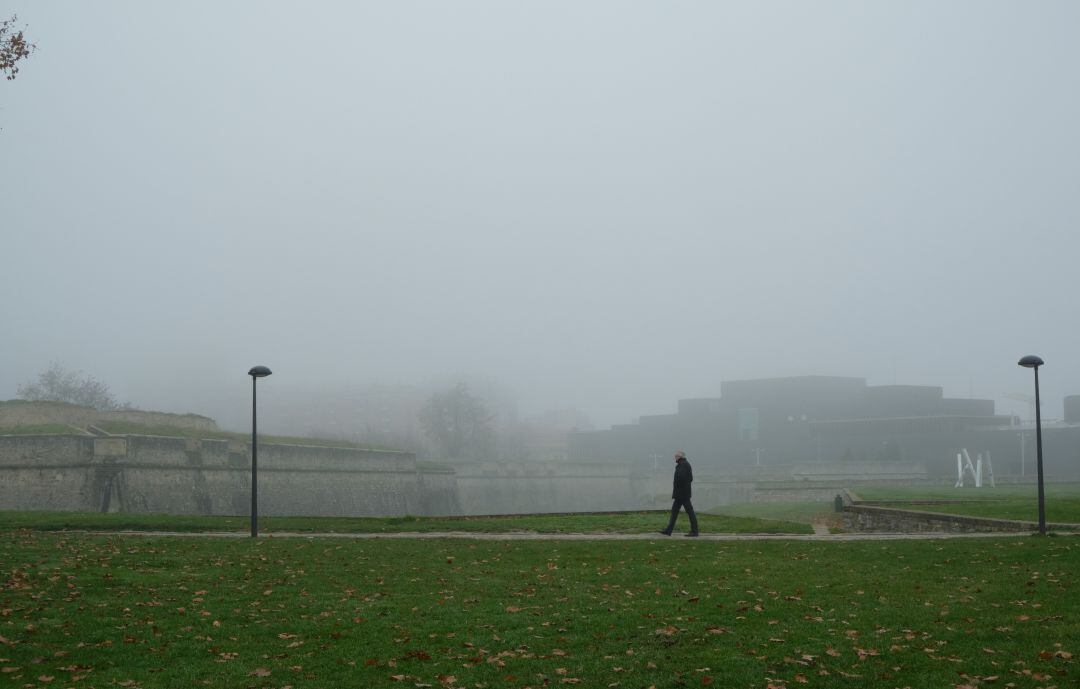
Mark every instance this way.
x=530 y=536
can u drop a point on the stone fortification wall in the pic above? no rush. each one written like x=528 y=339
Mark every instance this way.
x=142 y=473
x=185 y=476
x=25 y=413
x=44 y=472
x=539 y=487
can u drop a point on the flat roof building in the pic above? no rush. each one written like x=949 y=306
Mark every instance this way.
x=804 y=419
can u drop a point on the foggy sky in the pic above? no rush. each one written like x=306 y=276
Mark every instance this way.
x=602 y=205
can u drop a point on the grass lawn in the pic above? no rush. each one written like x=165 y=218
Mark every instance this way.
x=819 y=511
x=1002 y=502
x=621 y=522
x=84 y=611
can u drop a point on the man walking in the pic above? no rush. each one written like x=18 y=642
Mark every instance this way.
x=680 y=494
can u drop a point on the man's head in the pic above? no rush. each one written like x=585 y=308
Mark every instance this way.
x=680 y=455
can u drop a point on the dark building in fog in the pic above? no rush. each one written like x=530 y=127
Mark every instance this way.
x=790 y=421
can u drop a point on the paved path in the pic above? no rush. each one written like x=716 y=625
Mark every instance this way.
x=530 y=536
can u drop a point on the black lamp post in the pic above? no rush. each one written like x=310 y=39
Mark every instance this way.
x=1032 y=361
x=256 y=372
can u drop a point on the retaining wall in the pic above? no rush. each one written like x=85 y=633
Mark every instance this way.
x=157 y=474
x=879 y=519
x=184 y=476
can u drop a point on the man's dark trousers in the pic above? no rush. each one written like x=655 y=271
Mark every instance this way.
x=682 y=503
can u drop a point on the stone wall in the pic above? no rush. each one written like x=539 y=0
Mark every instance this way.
x=874 y=518
x=45 y=472
x=157 y=474
x=185 y=476
x=142 y=473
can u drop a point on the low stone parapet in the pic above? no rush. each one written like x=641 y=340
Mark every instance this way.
x=881 y=519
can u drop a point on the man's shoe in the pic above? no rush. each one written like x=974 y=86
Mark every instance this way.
x=692 y=534
x=666 y=533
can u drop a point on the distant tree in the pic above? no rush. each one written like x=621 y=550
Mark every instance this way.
x=458 y=424
x=58 y=384
x=13 y=47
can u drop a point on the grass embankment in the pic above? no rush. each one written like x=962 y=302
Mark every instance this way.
x=622 y=522
x=1003 y=502
x=158 y=612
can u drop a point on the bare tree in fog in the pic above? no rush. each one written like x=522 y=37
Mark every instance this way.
x=58 y=384
x=458 y=424
x=13 y=47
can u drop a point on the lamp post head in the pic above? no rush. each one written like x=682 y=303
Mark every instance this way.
x=262 y=371
x=1030 y=361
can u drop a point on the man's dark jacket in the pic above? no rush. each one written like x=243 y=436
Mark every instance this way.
x=684 y=476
